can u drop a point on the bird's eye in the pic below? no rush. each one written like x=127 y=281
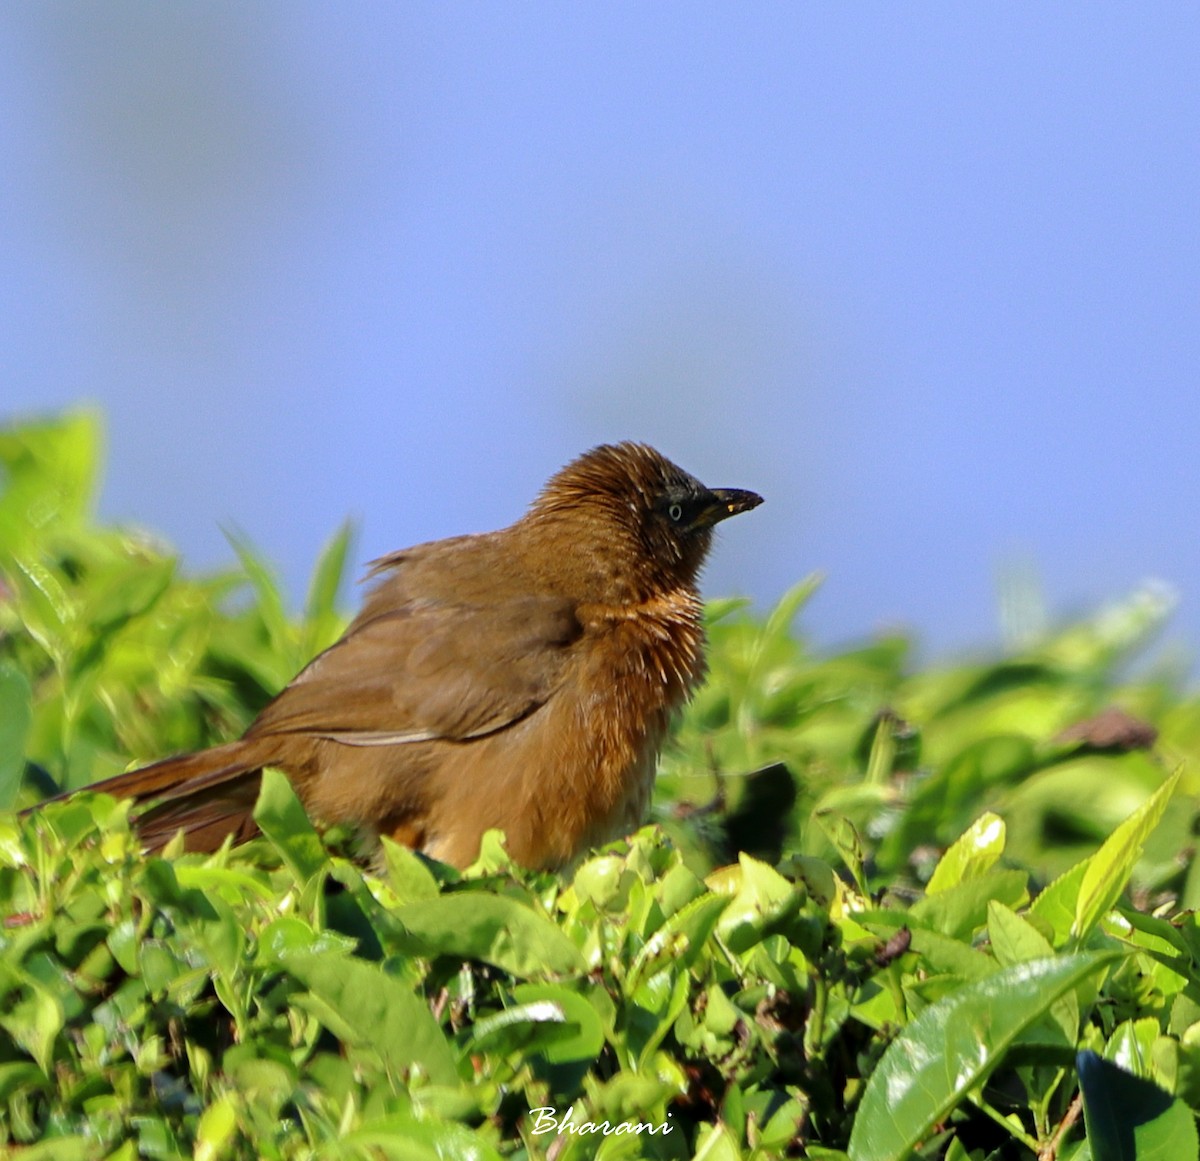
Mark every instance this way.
x=675 y=511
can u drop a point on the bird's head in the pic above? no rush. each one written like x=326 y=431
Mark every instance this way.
x=643 y=518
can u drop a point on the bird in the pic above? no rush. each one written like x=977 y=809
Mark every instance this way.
x=523 y=679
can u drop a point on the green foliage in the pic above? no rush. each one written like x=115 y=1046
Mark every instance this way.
x=886 y=911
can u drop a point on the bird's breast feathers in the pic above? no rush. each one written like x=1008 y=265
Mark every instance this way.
x=657 y=644
x=625 y=697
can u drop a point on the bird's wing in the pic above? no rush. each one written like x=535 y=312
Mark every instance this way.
x=427 y=670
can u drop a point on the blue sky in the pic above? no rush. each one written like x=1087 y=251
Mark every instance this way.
x=927 y=277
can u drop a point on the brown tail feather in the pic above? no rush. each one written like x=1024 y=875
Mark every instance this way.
x=206 y=815
x=208 y=795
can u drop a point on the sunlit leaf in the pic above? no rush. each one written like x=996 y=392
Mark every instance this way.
x=322 y=622
x=360 y=1001
x=953 y=1046
x=974 y=853
x=1108 y=870
x=281 y=818
x=492 y=929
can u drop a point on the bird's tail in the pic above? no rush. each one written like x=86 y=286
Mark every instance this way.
x=207 y=795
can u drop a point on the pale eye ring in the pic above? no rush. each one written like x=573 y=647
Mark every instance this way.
x=675 y=511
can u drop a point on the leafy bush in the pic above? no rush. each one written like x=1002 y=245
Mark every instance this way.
x=884 y=911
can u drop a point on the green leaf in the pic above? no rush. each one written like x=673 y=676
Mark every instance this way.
x=49 y=476
x=587 y=1032
x=780 y=618
x=35 y=1021
x=970 y=856
x=322 y=624
x=844 y=837
x=16 y=716
x=716 y=1143
x=603 y=881
x=1131 y=1047
x=679 y=942
x=942 y=954
x=362 y=1002
x=1055 y=906
x=527 y=1028
x=408 y=875
x=232 y=883
x=951 y=1047
x=1108 y=870
x=653 y=1008
x=404 y=1138
x=129 y=592
x=288 y=936
x=1131 y=1119
x=280 y=662
x=216 y=1129
x=959 y=911
x=47 y=608
x=1015 y=940
x=496 y=930
x=761 y=900
x=81 y=1148
x=280 y=816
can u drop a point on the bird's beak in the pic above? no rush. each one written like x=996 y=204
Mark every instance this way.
x=726 y=502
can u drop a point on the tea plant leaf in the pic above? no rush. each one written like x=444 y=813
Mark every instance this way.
x=958 y=911
x=16 y=717
x=586 y=1038
x=494 y=930
x=321 y=621
x=280 y=816
x=375 y=1009
x=1108 y=870
x=971 y=855
x=951 y=1047
x=1131 y=1119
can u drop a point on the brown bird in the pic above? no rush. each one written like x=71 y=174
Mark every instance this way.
x=521 y=679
